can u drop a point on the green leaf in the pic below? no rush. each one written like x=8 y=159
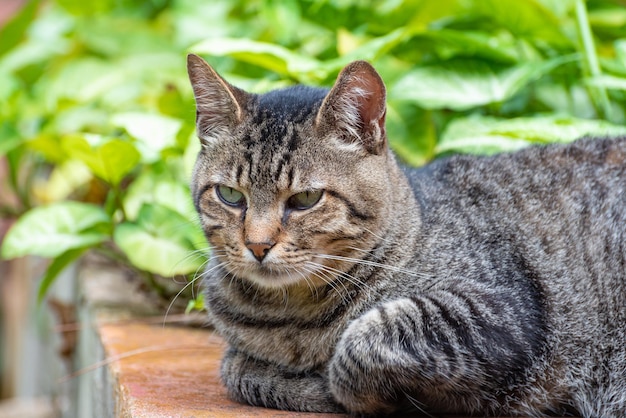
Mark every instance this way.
x=111 y=161
x=151 y=188
x=64 y=180
x=462 y=84
x=161 y=242
x=487 y=135
x=153 y=132
x=196 y=304
x=411 y=132
x=10 y=84
x=84 y=79
x=88 y=8
x=49 y=231
x=270 y=56
x=369 y=51
x=48 y=146
x=608 y=82
x=608 y=17
x=10 y=139
x=13 y=31
x=451 y=43
x=56 y=267
x=526 y=18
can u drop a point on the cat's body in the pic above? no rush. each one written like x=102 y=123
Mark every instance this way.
x=489 y=285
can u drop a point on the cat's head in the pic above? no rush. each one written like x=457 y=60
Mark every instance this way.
x=291 y=185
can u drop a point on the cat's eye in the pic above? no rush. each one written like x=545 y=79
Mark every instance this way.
x=230 y=196
x=304 y=200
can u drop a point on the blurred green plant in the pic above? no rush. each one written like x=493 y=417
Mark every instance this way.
x=97 y=117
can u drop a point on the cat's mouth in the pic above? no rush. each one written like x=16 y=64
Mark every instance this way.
x=311 y=272
x=275 y=275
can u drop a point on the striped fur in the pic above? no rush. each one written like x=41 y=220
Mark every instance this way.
x=475 y=285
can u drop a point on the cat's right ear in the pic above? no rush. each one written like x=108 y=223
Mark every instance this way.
x=219 y=105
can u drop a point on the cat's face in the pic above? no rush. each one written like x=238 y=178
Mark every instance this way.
x=292 y=185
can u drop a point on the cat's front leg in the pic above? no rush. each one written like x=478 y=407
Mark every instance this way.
x=423 y=353
x=260 y=383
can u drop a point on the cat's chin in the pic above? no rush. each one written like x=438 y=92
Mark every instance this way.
x=272 y=279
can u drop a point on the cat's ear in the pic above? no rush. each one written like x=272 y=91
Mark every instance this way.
x=355 y=108
x=219 y=105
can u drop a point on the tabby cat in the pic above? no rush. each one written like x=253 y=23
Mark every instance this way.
x=343 y=282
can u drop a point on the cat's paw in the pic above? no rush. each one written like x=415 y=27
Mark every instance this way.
x=363 y=375
x=260 y=383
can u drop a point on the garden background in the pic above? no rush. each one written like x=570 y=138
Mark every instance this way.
x=97 y=116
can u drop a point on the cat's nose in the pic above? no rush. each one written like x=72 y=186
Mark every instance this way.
x=259 y=249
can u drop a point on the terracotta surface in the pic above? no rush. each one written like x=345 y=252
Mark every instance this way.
x=166 y=371
x=173 y=371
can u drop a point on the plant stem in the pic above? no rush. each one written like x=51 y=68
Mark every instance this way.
x=598 y=94
x=9 y=212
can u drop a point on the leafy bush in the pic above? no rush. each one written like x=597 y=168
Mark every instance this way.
x=97 y=117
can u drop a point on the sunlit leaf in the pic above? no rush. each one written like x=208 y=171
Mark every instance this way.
x=8 y=87
x=609 y=17
x=270 y=56
x=528 y=18
x=411 y=133
x=83 y=80
x=487 y=135
x=64 y=180
x=161 y=242
x=151 y=188
x=452 y=43
x=153 y=132
x=111 y=161
x=48 y=146
x=196 y=304
x=608 y=81
x=49 y=231
x=9 y=138
x=370 y=50
x=462 y=84
x=13 y=31
x=165 y=222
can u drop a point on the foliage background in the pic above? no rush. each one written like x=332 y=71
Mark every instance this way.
x=97 y=117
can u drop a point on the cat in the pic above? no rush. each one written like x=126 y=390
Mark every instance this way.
x=344 y=282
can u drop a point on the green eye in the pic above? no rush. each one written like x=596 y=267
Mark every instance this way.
x=230 y=196
x=304 y=200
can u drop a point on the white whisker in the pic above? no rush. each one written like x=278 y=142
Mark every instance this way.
x=373 y=264
x=321 y=274
x=340 y=273
x=191 y=282
x=417 y=404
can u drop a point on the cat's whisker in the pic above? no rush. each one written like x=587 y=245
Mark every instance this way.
x=417 y=405
x=321 y=274
x=306 y=279
x=335 y=273
x=361 y=250
x=385 y=240
x=198 y=274
x=373 y=264
x=339 y=273
x=190 y=283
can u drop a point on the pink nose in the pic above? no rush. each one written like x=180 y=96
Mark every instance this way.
x=259 y=249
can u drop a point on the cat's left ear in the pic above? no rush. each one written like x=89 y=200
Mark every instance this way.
x=355 y=108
